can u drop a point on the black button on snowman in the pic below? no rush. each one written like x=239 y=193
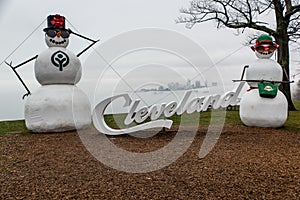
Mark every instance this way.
x=58 y=105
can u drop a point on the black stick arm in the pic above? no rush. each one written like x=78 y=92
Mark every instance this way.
x=21 y=80
x=84 y=50
x=84 y=37
x=244 y=70
x=89 y=39
x=262 y=80
x=257 y=81
x=23 y=63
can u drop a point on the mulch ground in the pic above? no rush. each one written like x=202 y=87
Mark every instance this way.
x=246 y=163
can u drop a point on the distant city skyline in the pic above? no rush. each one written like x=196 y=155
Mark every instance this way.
x=181 y=86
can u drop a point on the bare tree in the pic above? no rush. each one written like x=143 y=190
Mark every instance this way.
x=242 y=14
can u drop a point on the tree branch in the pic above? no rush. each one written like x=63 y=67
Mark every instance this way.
x=292 y=11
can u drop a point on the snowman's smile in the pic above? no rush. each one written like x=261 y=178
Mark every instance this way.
x=266 y=53
x=58 y=42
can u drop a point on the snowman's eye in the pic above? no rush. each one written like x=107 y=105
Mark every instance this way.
x=65 y=34
x=259 y=48
x=51 y=33
x=272 y=48
x=266 y=47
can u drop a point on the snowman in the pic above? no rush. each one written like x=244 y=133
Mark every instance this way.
x=57 y=105
x=263 y=105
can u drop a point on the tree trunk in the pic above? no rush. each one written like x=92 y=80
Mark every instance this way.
x=282 y=38
x=283 y=59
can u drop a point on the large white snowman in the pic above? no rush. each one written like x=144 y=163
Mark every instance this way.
x=263 y=105
x=57 y=105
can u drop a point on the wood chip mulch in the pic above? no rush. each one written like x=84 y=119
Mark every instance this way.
x=246 y=163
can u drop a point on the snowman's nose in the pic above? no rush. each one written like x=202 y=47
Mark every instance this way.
x=58 y=34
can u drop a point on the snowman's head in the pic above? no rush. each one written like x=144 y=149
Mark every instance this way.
x=57 y=37
x=264 y=47
x=56 y=33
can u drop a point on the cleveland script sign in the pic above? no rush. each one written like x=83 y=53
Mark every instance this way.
x=154 y=112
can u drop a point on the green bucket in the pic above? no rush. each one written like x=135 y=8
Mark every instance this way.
x=267 y=90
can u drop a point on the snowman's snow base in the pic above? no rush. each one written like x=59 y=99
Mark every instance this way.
x=263 y=112
x=57 y=108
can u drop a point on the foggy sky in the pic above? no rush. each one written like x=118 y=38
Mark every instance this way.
x=104 y=20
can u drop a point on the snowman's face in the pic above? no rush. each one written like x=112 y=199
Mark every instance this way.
x=57 y=38
x=265 y=50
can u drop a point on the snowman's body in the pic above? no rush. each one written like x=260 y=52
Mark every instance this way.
x=58 y=105
x=263 y=69
x=48 y=70
x=260 y=111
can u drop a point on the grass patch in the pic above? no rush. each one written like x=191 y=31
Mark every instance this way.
x=13 y=128
x=206 y=118
x=216 y=117
x=203 y=119
x=293 y=121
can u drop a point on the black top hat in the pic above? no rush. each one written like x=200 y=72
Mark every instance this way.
x=55 y=22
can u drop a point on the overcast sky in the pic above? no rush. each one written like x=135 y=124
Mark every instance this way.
x=111 y=21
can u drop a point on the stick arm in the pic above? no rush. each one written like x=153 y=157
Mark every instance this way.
x=84 y=50
x=262 y=80
x=19 y=77
x=84 y=37
x=23 y=63
x=244 y=70
x=256 y=81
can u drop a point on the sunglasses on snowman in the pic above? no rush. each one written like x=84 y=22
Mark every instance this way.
x=266 y=47
x=53 y=33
